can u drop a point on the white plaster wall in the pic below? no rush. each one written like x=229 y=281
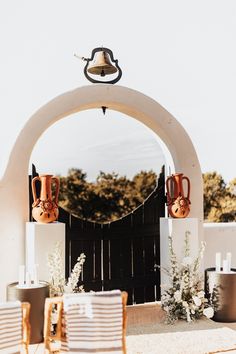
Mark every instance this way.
x=14 y=185
x=219 y=237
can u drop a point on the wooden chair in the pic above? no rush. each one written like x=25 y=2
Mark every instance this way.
x=14 y=327
x=57 y=341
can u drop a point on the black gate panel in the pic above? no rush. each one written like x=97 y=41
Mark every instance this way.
x=119 y=255
x=122 y=254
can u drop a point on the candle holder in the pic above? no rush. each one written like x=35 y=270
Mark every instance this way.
x=218 y=262
x=35 y=295
x=221 y=288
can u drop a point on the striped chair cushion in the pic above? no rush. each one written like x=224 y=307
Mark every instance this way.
x=94 y=322
x=10 y=327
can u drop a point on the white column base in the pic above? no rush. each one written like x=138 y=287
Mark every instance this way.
x=40 y=241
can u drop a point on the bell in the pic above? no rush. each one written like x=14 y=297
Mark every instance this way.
x=101 y=65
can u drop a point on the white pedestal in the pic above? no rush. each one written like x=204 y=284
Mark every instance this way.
x=40 y=241
x=176 y=228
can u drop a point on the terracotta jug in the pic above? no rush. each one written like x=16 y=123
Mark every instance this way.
x=178 y=204
x=45 y=208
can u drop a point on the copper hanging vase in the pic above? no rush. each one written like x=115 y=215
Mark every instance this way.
x=45 y=207
x=178 y=204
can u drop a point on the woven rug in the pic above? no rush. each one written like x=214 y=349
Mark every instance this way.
x=204 y=341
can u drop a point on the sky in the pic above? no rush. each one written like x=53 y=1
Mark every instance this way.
x=119 y=144
x=181 y=53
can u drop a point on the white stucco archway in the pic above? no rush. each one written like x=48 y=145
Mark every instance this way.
x=14 y=185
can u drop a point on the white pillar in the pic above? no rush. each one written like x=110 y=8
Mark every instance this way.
x=176 y=228
x=40 y=241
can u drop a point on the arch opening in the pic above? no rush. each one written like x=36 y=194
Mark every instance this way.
x=119 y=159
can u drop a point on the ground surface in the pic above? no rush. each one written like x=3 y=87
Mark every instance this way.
x=149 y=319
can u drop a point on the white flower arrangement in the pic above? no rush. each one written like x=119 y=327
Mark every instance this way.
x=58 y=284
x=185 y=298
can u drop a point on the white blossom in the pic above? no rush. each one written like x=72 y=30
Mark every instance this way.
x=197 y=301
x=188 y=315
x=208 y=312
x=75 y=274
x=177 y=296
x=201 y=294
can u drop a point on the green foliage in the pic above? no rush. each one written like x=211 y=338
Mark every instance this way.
x=112 y=196
x=74 y=191
x=219 y=198
x=145 y=183
x=109 y=198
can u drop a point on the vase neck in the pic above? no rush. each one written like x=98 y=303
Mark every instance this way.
x=46 y=190
x=178 y=184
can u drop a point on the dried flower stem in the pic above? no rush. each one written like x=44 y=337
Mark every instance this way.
x=58 y=283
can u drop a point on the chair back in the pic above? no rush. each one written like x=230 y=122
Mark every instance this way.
x=93 y=321
x=14 y=327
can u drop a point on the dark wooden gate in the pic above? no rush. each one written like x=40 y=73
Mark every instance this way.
x=122 y=254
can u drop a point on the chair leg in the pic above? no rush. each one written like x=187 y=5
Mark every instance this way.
x=51 y=341
x=124 y=303
x=25 y=326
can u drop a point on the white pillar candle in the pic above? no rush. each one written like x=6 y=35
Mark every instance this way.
x=229 y=258
x=35 y=274
x=218 y=262
x=21 y=280
x=225 y=266
x=27 y=279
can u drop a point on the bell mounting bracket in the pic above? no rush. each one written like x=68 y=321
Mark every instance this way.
x=115 y=61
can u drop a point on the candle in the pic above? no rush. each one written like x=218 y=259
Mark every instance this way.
x=225 y=266
x=35 y=274
x=28 y=280
x=218 y=262
x=229 y=257
x=21 y=280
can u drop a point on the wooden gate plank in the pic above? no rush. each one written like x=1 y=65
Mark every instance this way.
x=149 y=247
x=139 y=270
x=115 y=260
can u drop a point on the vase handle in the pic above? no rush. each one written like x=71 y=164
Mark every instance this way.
x=168 y=181
x=34 y=187
x=57 y=182
x=188 y=184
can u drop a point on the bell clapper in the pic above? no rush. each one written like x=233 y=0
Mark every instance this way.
x=104 y=108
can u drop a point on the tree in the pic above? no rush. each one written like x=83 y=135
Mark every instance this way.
x=232 y=187
x=74 y=192
x=109 y=198
x=112 y=196
x=214 y=191
x=144 y=183
x=219 y=199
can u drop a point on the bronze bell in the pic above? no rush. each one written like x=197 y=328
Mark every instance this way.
x=101 y=65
